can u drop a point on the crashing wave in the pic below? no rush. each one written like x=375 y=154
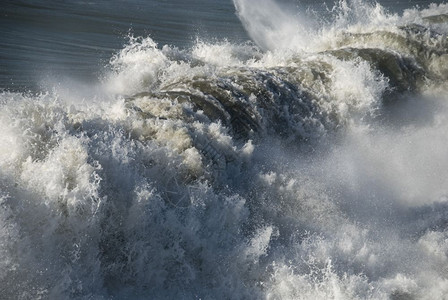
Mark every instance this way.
x=238 y=171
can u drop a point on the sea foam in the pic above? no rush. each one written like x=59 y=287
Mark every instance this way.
x=307 y=164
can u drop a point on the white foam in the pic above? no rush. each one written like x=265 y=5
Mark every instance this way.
x=124 y=190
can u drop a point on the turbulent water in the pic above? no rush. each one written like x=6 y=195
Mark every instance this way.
x=308 y=163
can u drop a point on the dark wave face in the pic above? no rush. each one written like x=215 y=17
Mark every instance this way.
x=307 y=163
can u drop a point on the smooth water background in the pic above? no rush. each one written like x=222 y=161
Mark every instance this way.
x=77 y=38
x=47 y=41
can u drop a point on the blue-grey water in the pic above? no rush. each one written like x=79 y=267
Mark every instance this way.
x=77 y=38
x=49 y=39
x=245 y=149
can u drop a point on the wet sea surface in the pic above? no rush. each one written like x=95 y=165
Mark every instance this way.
x=245 y=149
x=47 y=40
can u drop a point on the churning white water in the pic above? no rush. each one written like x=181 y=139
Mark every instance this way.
x=310 y=164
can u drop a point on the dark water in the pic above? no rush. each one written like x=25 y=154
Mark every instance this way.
x=43 y=40
x=77 y=38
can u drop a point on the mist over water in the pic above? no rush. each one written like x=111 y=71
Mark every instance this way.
x=308 y=163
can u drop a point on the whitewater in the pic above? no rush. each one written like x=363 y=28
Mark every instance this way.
x=308 y=163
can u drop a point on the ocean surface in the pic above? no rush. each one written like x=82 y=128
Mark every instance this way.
x=269 y=149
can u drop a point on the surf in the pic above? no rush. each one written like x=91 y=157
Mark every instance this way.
x=307 y=163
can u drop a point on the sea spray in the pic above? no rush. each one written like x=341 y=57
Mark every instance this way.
x=271 y=27
x=271 y=171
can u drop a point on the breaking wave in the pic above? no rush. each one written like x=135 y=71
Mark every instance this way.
x=308 y=164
